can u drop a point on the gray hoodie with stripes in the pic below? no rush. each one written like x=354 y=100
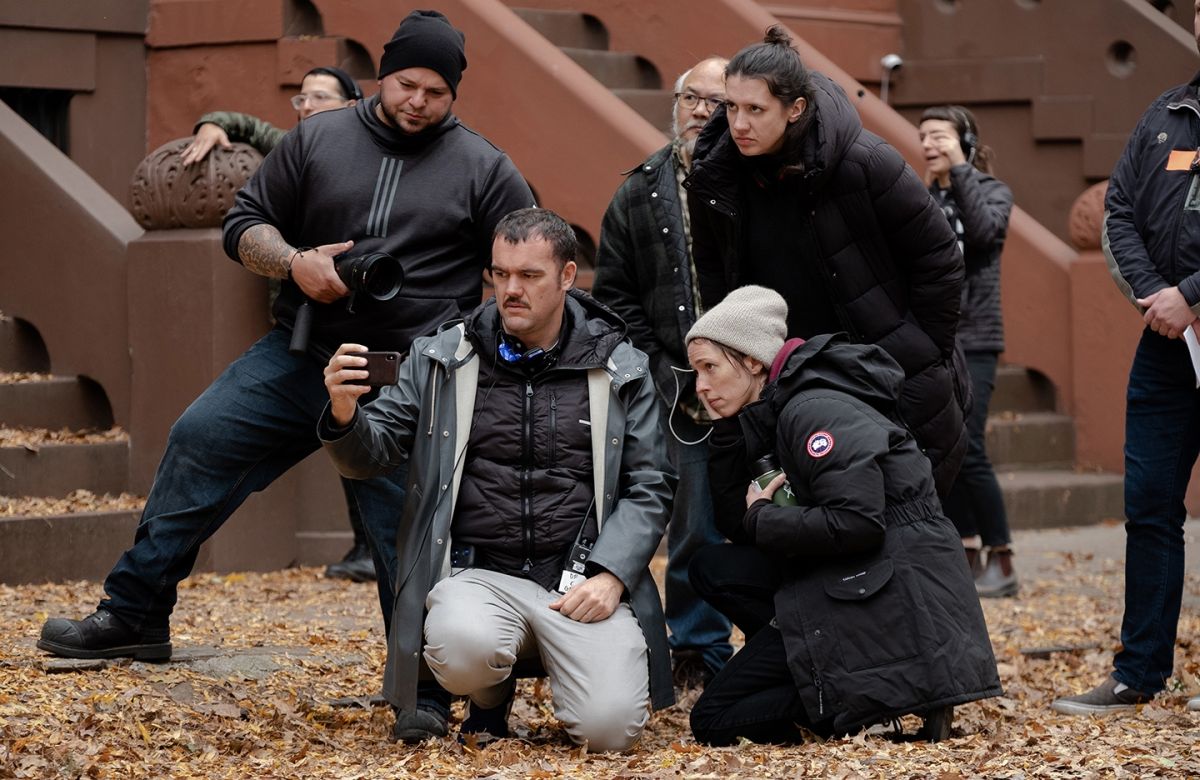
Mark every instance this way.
x=430 y=199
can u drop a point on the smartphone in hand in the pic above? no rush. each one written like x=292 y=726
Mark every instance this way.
x=383 y=368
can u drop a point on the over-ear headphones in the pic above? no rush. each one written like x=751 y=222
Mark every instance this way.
x=513 y=352
x=966 y=133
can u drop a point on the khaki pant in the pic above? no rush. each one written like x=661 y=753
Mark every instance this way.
x=480 y=622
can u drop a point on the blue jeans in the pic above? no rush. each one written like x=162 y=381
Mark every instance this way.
x=975 y=503
x=256 y=421
x=694 y=624
x=1162 y=440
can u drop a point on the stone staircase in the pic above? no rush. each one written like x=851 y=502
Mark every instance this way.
x=1033 y=449
x=64 y=469
x=584 y=39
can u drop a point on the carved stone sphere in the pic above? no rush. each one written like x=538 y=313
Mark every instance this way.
x=165 y=195
x=1087 y=217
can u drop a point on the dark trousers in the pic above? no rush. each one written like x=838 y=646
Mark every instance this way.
x=1162 y=439
x=975 y=503
x=753 y=696
x=356 y=523
x=256 y=421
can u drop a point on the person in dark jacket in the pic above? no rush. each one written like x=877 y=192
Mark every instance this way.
x=540 y=491
x=644 y=271
x=1151 y=239
x=396 y=174
x=321 y=89
x=790 y=192
x=853 y=593
x=977 y=206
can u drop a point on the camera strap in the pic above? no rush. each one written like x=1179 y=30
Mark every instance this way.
x=575 y=564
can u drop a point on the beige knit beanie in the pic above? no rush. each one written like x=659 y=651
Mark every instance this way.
x=751 y=320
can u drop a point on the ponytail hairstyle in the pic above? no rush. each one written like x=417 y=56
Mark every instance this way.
x=967 y=127
x=778 y=64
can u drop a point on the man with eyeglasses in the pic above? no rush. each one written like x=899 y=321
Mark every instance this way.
x=644 y=271
x=396 y=174
x=321 y=89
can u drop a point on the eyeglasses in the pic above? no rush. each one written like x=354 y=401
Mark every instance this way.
x=690 y=100
x=316 y=98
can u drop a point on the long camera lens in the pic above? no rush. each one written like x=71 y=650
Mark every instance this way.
x=377 y=274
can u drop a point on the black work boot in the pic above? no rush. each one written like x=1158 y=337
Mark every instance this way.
x=419 y=725
x=101 y=635
x=430 y=719
x=357 y=566
x=936 y=723
x=486 y=725
x=998 y=580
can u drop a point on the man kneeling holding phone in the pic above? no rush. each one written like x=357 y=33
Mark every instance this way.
x=396 y=176
x=539 y=492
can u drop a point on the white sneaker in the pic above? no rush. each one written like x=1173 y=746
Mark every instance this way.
x=1194 y=704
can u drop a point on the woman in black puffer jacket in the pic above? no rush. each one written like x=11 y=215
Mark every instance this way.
x=977 y=206
x=790 y=192
x=855 y=600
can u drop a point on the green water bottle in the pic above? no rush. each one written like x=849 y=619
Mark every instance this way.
x=768 y=469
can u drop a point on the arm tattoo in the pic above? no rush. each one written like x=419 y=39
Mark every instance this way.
x=264 y=251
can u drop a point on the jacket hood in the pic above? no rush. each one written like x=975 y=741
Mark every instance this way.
x=834 y=129
x=394 y=139
x=833 y=362
x=591 y=331
x=827 y=362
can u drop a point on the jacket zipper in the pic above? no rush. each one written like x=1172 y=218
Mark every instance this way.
x=526 y=478
x=827 y=275
x=553 y=429
x=820 y=690
x=1183 y=200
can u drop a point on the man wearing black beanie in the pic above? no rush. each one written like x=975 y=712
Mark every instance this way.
x=419 y=72
x=395 y=174
x=426 y=39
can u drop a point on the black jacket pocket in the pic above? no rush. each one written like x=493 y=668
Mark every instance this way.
x=873 y=615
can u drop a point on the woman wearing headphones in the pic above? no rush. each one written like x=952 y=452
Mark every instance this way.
x=977 y=206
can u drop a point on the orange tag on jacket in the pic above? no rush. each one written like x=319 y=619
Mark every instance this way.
x=1181 y=160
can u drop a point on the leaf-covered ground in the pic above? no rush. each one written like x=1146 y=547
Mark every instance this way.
x=266 y=653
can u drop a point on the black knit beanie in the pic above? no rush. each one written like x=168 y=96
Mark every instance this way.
x=426 y=39
x=350 y=88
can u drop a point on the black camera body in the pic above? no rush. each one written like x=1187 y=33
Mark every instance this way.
x=377 y=275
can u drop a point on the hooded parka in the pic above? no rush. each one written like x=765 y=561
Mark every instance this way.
x=426 y=419
x=880 y=245
x=877 y=609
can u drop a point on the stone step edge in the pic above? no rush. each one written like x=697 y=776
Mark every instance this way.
x=34 y=378
x=35 y=447
x=51 y=516
x=63 y=547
